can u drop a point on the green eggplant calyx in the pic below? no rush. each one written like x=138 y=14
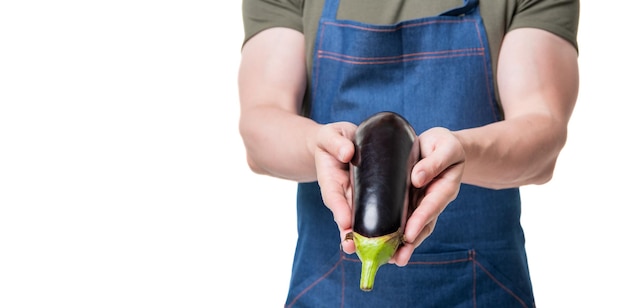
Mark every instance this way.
x=373 y=253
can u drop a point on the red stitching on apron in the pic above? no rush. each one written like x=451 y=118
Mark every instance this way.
x=295 y=299
x=499 y=283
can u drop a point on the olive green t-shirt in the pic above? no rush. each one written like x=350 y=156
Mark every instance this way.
x=500 y=16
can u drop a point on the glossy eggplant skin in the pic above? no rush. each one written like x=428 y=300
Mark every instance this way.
x=386 y=148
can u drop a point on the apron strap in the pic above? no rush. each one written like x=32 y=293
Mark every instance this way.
x=330 y=9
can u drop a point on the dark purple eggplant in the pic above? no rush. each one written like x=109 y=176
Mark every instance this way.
x=386 y=148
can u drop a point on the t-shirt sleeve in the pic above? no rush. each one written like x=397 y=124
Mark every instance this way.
x=259 y=15
x=557 y=16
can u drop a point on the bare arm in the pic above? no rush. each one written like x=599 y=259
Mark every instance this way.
x=278 y=141
x=538 y=83
x=272 y=81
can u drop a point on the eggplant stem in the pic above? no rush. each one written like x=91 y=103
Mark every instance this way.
x=374 y=252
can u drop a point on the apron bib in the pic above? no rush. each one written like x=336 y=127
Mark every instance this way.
x=434 y=71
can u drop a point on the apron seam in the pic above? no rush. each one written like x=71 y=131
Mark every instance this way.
x=371 y=28
x=345 y=86
x=474 y=282
x=314 y=283
x=409 y=57
x=499 y=283
x=488 y=70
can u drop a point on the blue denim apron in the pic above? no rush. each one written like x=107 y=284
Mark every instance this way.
x=435 y=71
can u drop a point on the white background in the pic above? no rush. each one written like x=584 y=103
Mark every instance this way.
x=123 y=181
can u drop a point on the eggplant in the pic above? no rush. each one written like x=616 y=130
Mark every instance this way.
x=386 y=148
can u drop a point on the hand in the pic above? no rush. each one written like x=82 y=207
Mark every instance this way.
x=333 y=153
x=438 y=173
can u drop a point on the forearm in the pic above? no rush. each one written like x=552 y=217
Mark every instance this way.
x=279 y=143
x=272 y=81
x=538 y=83
x=512 y=153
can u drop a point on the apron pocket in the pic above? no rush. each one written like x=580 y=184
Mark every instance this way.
x=323 y=289
x=451 y=279
x=429 y=280
x=495 y=289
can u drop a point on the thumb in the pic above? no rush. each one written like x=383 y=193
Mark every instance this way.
x=336 y=140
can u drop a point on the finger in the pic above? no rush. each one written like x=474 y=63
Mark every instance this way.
x=336 y=139
x=438 y=195
x=439 y=150
x=335 y=150
x=418 y=226
x=337 y=197
x=348 y=245
x=342 y=213
x=432 y=166
x=404 y=252
x=334 y=185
